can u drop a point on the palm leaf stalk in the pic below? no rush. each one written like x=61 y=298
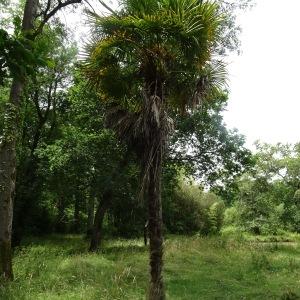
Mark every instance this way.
x=153 y=58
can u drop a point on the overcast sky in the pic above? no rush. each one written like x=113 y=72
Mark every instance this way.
x=264 y=101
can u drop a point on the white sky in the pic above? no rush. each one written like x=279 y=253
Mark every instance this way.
x=264 y=101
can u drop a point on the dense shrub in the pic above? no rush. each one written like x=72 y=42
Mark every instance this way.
x=191 y=210
x=215 y=217
x=267 y=199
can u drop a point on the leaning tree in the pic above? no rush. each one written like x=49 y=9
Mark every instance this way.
x=149 y=61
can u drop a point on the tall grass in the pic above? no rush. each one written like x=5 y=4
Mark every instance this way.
x=59 y=268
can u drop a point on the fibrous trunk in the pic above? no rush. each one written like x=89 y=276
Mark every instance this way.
x=155 y=138
x=156 y=291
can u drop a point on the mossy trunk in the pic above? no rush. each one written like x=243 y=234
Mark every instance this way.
x=8 y=156
x=8 y=178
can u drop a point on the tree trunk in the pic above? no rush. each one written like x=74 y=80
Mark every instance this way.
x=103 y=206
x=90 y=213
x=60 y=221
x=155 y=138
x=8 y=157
x=76 y=214
x=156 y=291
x=7 y=179
x=146 y=233
x=96 y=238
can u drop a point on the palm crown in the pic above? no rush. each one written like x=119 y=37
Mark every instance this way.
x=169 y=42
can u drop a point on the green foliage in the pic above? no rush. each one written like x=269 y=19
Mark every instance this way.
x=43 y=105
x=216 y=217
x=189 y=209
x=18 y=57
x=207 y=150
x=231 y=216
x=267 y=197
x=67 y=153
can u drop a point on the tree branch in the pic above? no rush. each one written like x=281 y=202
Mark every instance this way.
x=50 y=13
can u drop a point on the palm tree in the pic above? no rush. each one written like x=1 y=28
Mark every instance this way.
x=151 y=59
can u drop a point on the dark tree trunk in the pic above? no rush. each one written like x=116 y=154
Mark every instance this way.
x=102 y=208
x=7 y=179
x=90 y=213
x=155 y=228
x=76 y=225
x=60 y=221
x=146 y=233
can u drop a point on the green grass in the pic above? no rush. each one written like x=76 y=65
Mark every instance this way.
x=59 y=268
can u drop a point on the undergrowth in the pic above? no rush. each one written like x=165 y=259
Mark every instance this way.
x=60 y=268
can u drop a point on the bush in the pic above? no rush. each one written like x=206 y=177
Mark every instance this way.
x=216 y=217
x=231 y=216
x=191 y=210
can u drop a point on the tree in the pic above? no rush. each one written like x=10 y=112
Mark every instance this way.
x=8 y=158
x=44 y=97
x=206 y=149
x=11 y=128
x=151 y=58
x=265 y=196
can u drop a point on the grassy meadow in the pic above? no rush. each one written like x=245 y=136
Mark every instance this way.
x=239 y=267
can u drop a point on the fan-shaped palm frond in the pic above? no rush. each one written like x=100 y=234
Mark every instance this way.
x=175 y=37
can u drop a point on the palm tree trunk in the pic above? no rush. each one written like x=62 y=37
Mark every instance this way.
x=155 y=228
x=156 y=136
